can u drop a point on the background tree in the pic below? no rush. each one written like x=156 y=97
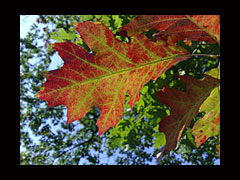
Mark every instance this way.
x=46 y=139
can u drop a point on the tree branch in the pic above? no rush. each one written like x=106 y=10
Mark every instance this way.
x=77 y=145
x=208 y=55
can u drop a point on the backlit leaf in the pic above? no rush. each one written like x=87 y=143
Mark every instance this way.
x=103 y=77
x=183 y=105
x=62 y=35
x=209 y=125
x=173 y=28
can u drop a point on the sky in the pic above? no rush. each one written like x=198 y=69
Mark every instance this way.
x=25 y=23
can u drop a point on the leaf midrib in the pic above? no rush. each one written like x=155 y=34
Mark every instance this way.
x=189 y=113
x=117 y=73
x=109 y=72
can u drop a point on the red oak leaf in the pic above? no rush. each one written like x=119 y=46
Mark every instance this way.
x=103 y=78
x=176 y=27
x=183 y=105
x=145 y=22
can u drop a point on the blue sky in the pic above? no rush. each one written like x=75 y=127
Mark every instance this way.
x=25 y=24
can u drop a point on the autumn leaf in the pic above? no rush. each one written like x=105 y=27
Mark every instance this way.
x=209 y=125
x=102 y=78
x=183 y=105
x=173 y=28
x=143 y=23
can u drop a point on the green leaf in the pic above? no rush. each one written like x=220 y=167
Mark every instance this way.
x=140 y=104
x=160 y=139
x=62 y=35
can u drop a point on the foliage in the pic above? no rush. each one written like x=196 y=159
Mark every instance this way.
x=135 y=133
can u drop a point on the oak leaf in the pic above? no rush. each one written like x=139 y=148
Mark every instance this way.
x=183 y=105
x=173 y=28
x=102 y=78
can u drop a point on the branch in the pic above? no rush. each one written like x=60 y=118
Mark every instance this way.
x=79 y=144
x=208 y=55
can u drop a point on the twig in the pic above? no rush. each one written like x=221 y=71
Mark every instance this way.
x=208 y=55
